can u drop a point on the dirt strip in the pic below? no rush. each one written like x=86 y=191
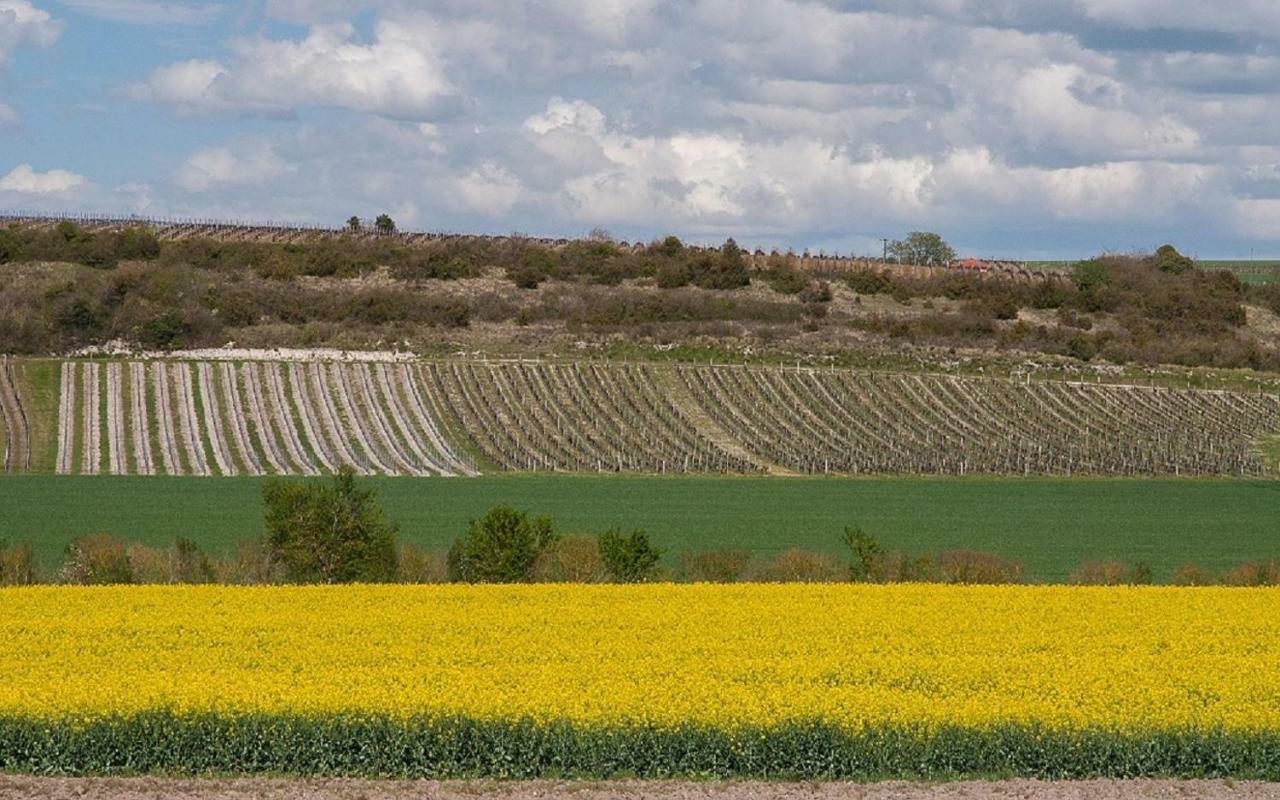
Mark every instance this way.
x=146 y=788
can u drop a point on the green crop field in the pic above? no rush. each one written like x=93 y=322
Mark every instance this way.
x=1052 y=525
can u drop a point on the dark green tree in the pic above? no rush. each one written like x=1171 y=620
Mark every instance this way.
x=353 y=224
x=866 y=556
x=500 y=547
x=631 y=558
x=328 y=534
x=385 y=224
x=922 y=247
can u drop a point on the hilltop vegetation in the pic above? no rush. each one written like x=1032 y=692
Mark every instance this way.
x=66 y=288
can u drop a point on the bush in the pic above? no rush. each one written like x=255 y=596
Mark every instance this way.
x=1101 y=573
x=714 y=566
x=797 y=565
x=1192 y=575
x=973 y=567
x=500 y=547
x=17 y=564
x=97 y=559
x=250 y=565
x=570 y=559
x=1168 y=259
x=629 y=559
x=189 y=564
x=415 y=565
x=866 y=555
x=1254 y=573
x=148 y=565
x=328 y=534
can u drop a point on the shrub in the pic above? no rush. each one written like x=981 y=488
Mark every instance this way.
x=252 y=564
x=1168 y=259
x=1254 y=573
x=1141 y=574
x=189 y=564
x=797 y=565
x=866 y=555
x=17 y=564
x=570 y=559
x=415 y=565
x=1101 y=573
x=714 y=566
x=1192 y=575
x=328 y=534
x=819 y=292
x=148 y=565
x=97 y=559
x=972 y=566
x=629 y=559
x=500 y=547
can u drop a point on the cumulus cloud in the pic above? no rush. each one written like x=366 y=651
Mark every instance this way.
x=253 y=165
x=23 y=179
x=397 y=75
x=796 y=121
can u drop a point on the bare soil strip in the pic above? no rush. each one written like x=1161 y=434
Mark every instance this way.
x=341 y=440
x=239 y=428
x=408 y=382
x=164 y=419
x=400 y=418
x=341 y=380
x=284 y=420
x=116 y=459
x=147 y=788
x=311 y=425
x=140 y=428
x=91 y=458
x=17 y=438
x=66 y=417
x=188 y=423
x=366 y=396
x=212 y=422
x=257 y=409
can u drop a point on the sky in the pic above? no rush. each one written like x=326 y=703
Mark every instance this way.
x=1015 y=128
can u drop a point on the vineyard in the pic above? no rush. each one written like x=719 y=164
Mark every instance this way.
x=459 y=418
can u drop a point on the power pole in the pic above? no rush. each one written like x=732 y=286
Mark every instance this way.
x=885 y=255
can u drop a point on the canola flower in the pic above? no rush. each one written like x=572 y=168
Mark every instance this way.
x=722 y=657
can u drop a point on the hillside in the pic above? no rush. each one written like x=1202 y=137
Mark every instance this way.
x=175 y=286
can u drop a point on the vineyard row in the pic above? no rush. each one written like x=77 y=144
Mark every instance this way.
x=457 y=418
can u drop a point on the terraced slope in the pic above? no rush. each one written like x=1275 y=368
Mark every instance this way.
x=453 y=417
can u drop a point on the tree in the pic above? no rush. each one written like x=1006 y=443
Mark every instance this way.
x=354 y=225
x=922 y=247
x=866 y=556
x=726 y=270
x=385 y=224
x=1168 y=259
x=631 y=558
x=328 y=534
x=500 y=547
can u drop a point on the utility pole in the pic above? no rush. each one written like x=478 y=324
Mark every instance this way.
x=885 y=256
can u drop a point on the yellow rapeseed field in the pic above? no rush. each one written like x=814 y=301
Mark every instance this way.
x=1129 y=658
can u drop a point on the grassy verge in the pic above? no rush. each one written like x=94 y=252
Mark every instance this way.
x=450 y=748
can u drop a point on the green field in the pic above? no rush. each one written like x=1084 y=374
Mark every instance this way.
x=1050 y=524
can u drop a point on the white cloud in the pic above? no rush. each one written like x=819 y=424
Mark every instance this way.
x=212 y=167
x=25 y=180
x=149 y=12
x=23 y=24
x=397 y=75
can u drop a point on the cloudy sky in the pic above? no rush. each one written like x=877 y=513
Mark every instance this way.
x=1019 y=128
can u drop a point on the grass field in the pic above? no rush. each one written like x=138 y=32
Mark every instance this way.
x=1050 y=524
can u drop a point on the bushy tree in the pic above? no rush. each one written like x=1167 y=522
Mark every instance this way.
x=500 y=547
x=631 y=558
x=328 y=534
x=866 y=555
x=1168 y=259
x=353 y=224
x=922 y=247
x=385 y=224
x=97 y=559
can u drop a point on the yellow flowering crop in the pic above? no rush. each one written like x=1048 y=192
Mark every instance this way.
x=723 y=656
